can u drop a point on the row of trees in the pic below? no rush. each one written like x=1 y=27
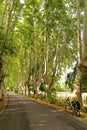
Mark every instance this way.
x=38 y=42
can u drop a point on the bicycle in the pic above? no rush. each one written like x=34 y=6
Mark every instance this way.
x=73 y=106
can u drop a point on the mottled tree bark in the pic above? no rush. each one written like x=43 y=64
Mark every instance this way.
x=82 y=52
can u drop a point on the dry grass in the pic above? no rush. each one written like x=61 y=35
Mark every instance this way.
x=57 y=106
x=83 y=113
x=2 y=102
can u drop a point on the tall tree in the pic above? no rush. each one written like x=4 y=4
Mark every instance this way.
x=83 y=64
x=82 y=50
x=8 y=5
x=76 y=85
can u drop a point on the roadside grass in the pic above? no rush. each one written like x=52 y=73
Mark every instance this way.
x=84 y=111
x=59 y=103
x=2 y=102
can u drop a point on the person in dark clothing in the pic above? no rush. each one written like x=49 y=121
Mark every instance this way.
x=75 y=105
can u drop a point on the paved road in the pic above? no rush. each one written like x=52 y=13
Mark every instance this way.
x=27 y=114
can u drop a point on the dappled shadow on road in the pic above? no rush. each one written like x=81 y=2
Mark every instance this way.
x=14 y=117
x=28 y=114
x=42 y=116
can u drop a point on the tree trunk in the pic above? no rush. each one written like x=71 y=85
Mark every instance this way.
x=77 y=85
x=9 y=18
x=54 y=68
x=82 y=53
x=8 y=4
x=3 y=13
x=85 y=34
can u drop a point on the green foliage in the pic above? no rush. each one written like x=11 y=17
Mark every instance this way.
x=42 y=87
x=16 y=90
x=2 y=36
x=83 y=82
x=2 y=78
x=70 y=78
x=35 y=30
x=51 y=95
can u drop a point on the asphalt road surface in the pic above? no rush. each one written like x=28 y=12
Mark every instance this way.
x=27 y=114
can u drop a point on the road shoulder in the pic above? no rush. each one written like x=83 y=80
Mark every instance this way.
x=3 y=104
